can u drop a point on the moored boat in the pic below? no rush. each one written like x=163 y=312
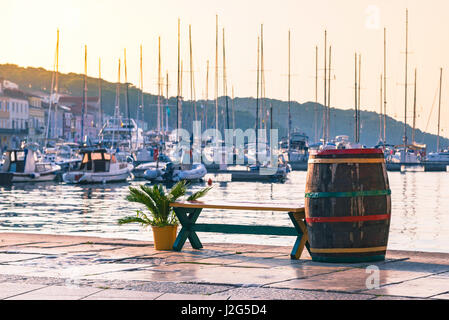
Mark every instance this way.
x=171 y=172
x=98 y=166
x=22 y=165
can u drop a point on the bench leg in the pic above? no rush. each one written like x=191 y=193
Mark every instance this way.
x=302 y=239
x=187 y=217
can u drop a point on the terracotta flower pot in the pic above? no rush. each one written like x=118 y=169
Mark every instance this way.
x=164 y=237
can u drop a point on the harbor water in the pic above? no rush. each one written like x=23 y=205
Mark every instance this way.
x=420 y=215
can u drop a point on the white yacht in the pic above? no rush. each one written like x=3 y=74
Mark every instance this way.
x=23 y=165
x=117 y=130
x=99 y=166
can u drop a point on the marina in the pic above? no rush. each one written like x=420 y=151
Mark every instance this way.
x=210 y=151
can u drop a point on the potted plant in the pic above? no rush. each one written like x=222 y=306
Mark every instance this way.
x=161 y=217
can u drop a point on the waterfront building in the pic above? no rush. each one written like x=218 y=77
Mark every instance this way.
x=14 y=115
x=72 y=118
x=36 y=120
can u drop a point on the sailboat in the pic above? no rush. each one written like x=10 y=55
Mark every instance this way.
x=262 y=171
x=440 y=155
x=297 y=143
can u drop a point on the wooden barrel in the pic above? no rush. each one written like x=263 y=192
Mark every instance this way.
x=347 y=205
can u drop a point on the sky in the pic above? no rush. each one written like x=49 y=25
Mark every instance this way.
x=107 y=27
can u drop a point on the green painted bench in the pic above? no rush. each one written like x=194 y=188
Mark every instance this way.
x=188 y=213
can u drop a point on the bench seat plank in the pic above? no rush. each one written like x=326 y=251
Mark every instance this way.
x=253 y=206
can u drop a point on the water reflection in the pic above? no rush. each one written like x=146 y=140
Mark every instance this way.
x=420 y=219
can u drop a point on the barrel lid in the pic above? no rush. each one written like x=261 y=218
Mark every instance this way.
x=349 y=151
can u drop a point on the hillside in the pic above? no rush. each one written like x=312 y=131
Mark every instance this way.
x=303 y=115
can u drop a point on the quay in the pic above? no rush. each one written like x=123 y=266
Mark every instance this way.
x=424 y=166
x=56 y=267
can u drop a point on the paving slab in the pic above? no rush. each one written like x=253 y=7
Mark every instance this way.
x=256 y=276
x=352 y=280
x=62 y=249
x=57 y=293
x=147 y=274
x=6 y=269
x=180 y=296
x=78 y=272
x=417 y=256
x=8 y=289
x=114 y=294
x=14 y=257
x=420 y=288
x=442 y=296
x=288 y=294
x=428 y=267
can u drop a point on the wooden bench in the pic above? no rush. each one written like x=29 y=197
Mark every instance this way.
x=189 y=211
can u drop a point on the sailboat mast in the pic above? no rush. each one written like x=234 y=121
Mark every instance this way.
x=140 y=106
x=84 y=110
x=329 y=94
x=414 y=112
x=166 y=107
x=178 y=84
x=385 y=84
x=56 y=87
x=257 y=101
x=192 y=100
x=358 y=98
x=216 y=72
x=142 y=103
x=233 y=109
x=181 y=94
x=117 y=119
x=117 y=94
x=316 y=94
x=356 y=121
x=289 y=124
x=406 y=66
x=100 y=102
x=380 y=111
x=51 y=91
x=262 y=80
x=325 y=88
x=207 y=93
x=225 y=84
x=439 y=109
x=127 y=102
x=159 y=88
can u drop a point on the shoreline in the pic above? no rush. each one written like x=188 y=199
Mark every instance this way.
x=51 y=266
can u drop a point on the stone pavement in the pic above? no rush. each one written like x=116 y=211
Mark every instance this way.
x=55 y=267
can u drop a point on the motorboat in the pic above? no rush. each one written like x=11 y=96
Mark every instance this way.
x=174 y=172
x=149 y=170
x=196 y=172
x=23 y=165
x=99 y=166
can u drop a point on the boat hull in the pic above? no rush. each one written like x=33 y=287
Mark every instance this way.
x=85 y=177
x=18 y=178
